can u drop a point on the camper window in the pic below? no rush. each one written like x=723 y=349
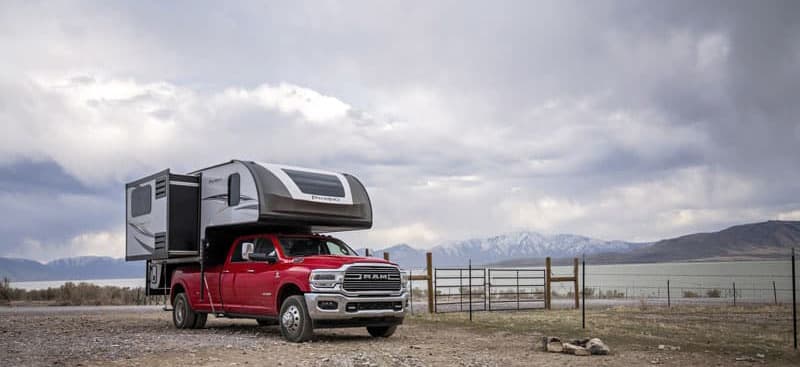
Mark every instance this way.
x=316 y=183
x=140 y=200
x=233 y=189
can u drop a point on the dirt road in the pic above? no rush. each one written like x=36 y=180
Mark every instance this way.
x=144 y=336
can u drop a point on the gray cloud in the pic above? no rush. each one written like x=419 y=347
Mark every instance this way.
x=621 y=120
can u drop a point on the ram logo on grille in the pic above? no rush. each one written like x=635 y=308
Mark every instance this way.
x=372 y=278
x=375 y=276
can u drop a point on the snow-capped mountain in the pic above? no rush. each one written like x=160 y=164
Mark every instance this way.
x=525 y=244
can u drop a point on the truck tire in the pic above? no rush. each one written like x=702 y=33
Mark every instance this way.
x=200 y=320
x=296 y=325
x=182 y=315
x=381 y=331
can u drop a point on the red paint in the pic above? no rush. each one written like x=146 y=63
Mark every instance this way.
x=252 y=287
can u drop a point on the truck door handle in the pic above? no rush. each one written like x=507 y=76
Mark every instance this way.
x=226 y=271
x=251 y=270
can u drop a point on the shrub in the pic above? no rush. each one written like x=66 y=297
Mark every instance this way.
x=6 y=291
x=612 y=293
x=74 y=294
x=690 y=294
x=713 y=293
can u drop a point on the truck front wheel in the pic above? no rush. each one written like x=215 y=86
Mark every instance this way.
x=182 y=315
x=381 y=331
x=296 y=325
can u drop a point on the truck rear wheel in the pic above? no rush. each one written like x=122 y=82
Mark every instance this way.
x=381 y=331
x=200 y=320
x=182 y=315
x=296 y=325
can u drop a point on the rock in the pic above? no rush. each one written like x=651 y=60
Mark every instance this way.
x=582 y=352
x=580 y=342
x=554 y=347
x=577 y=350
x=552 y=344
x=760 y=356
x=668 y=347
x=596 y=346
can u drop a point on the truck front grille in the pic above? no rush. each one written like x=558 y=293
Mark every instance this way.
x=371 y=278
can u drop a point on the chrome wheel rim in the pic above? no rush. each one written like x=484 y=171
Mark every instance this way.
x=291 y=319
x=179 y=311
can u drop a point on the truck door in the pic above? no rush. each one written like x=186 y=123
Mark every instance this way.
x=233 y=294
x=258 y=280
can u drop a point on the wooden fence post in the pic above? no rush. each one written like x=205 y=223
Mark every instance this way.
x=548 y=274
x=575 y=274
x=386 y=256
x=429 y=264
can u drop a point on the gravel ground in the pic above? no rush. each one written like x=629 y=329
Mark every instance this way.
x=144 y=336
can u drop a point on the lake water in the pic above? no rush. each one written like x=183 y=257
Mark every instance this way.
x=753 y=279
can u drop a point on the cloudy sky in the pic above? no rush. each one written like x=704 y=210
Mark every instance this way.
x=618 y=120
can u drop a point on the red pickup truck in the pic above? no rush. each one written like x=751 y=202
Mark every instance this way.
x=299 y=281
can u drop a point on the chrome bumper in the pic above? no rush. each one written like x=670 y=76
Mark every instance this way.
x=340 y=313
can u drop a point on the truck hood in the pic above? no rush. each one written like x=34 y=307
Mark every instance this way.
x=333 y=262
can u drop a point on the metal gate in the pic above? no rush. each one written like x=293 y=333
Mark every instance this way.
x=516 y=289
x=481 y=289
x=459 y=289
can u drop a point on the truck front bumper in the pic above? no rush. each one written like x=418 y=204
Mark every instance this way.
x=361 y=310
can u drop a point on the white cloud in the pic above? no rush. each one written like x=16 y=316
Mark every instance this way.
x=600 y=123
x=790 y=215
x=418 y=233
x=289 y=99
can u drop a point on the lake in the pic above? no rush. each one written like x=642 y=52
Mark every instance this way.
x=753 y=280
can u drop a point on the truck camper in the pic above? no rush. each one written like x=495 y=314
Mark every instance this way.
x=249 y=240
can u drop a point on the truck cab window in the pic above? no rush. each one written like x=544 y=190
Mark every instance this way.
x=237 y=253
x=264 y=246
x=337 y=249
x=311 y=246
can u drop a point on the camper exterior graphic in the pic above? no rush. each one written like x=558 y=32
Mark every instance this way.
x=242 y=239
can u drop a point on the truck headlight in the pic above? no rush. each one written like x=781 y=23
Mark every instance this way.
x=404 y=278
x=325 y=279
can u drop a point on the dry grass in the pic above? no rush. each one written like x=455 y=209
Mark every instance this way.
x=709 y=329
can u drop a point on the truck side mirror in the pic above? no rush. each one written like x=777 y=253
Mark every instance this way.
x=247 y=250
x=264 y=257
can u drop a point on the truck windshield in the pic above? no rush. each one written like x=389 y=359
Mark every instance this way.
x=310 y=246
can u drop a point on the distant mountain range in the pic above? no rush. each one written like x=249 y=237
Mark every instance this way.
x=517 y=245
x=766 y=240
x=756 y=241
x=73 y=268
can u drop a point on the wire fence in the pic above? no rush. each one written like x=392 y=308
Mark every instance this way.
x=735 y=283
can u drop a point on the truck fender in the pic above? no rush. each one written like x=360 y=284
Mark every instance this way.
x=178 y=285
x=286 y=289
